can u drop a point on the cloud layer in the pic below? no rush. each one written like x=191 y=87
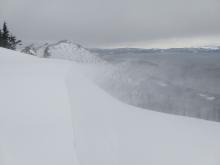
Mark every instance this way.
x=111 y=22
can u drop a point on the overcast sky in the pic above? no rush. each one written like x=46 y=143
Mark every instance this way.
x=115 y=23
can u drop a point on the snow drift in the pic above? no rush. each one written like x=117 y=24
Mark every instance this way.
x=50 y=113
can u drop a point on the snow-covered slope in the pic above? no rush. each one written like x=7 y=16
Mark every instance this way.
x=182 y=81
x=62 y=50
x=172 y=82
x=51 y=114
x=69 y=51
x=35 y=118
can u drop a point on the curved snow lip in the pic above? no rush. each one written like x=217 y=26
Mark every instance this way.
x=108 y=132
x=52 y=114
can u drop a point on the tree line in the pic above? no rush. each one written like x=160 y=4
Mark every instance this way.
x=7 y=39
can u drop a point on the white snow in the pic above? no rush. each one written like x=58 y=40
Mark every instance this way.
x=164 y=82
x=62 y=50
x=35 y=118
x=207 y=97
x=70 y=51
x=51 y=114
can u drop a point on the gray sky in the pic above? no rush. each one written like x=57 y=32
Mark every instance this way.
x=115 y=23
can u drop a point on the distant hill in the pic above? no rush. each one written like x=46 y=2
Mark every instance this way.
x=62 y=50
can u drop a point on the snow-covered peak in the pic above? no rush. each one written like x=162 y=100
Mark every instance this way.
x=70 y=51
x=63 y=50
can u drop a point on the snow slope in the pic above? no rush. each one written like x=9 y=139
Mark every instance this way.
x=182 y=81
x=172 y=82
x=35 y=118
x=51 y=114
x=62 y=50
x=70 y=51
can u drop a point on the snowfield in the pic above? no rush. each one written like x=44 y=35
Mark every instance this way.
x=52 y=114
x=181 y=81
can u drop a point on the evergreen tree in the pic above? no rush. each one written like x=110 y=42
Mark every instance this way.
x=13 y=42
x=7 y=40
x=1 y=44
x=5 y=36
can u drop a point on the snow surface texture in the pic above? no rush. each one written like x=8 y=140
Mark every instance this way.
x=177 y=81
x=35 y=117
x=51 y=114
x=180 y=82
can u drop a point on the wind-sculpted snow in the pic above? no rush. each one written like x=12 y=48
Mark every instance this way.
x=109 y=132
x=178 y=81
x=183 y=84
x=52 y=114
